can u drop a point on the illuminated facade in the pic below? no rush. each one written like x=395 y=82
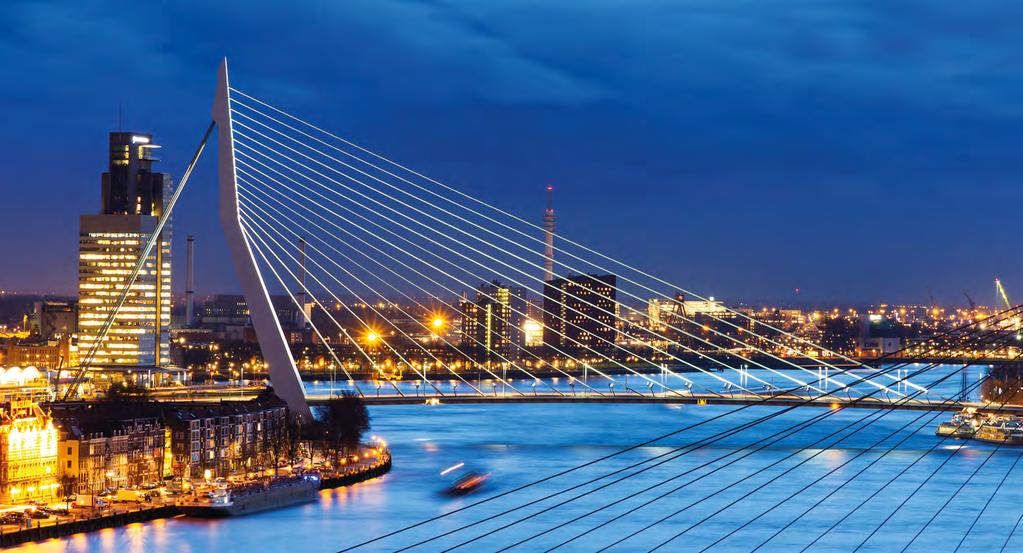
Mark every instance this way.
x=581 y=314
x=111 y=446
x=110 y=244
x=492 y=326
x=47 y=354
x=28 y=454
x=231 y=437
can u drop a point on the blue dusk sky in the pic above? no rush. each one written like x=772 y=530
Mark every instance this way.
x=860 y=151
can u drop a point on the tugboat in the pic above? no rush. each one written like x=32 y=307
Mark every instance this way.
x=1008 y=431
x=963 y=425
x=253 y=497
x=466 y=481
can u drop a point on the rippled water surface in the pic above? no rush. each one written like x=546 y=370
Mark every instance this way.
x=708 y=492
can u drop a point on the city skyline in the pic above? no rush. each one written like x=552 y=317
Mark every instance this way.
x=703 y=170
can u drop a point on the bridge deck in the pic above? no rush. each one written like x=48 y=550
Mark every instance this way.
x=696 y=399
x=211 y=395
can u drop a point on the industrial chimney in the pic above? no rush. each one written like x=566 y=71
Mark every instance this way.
x=189 y=275
x=548 y=231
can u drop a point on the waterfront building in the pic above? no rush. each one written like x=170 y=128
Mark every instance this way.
x=111 y=445
x=28 y=453
x=229 y=438
x=227 y=316
x=532 y=333
x=492 y=325
x=49 y=354
x=110 y=244
x=24 y=383
x=53 y=319
x=581 y=314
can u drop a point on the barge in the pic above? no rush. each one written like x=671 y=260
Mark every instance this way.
x=252 y=497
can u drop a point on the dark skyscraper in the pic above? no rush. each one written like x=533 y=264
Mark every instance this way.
x=130 y=187
x=580 y=312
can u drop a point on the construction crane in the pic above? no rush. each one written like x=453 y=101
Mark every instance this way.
x=973 y=304
x=1000 y=293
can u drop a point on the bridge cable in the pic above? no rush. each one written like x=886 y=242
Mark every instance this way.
x=260 y=250
x=353 y=179
x=797 y=428
x=955 y=494
x=404 y=294
x=519 y=219
x=885 y=486
x=882 y=409
x=988 y=502
x=317 y=250
x=508 y=278
x=250 y=227
x=806 y=487
x=625 y=450
x=921 y=484
x=477 y=276
x=316 y=301
x=154 y=238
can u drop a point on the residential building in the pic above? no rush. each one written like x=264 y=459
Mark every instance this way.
x=112 y=445
x=224 y=439
x=493 y=324
x=581 y=315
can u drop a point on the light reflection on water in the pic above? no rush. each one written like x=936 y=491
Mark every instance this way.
x=520 y=443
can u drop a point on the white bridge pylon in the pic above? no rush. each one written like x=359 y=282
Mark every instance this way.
x=284 y=374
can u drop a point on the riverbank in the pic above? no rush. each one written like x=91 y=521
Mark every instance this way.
x=63 y=527
x=45 y=529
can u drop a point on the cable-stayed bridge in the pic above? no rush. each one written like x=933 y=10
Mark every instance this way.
x=325 y=221
x=330 y=223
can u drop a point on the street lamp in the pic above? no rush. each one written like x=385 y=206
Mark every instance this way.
x=417 y=388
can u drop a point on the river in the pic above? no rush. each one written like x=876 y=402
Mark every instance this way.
x=521 y=443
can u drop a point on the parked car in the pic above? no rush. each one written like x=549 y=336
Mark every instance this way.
x=62 y=509
x=13 y=517
x=125 y=495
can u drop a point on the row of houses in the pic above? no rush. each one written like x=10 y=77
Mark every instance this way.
x=50 y=449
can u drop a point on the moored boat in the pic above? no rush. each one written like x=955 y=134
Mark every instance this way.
x=963 y=425
x=1001 y=431
x=252 y=497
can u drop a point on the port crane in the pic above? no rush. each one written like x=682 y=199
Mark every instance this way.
x=1000 y=294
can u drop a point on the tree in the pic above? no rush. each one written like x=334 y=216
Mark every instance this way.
x=276 y=444
x=119 y=391
x=68 y=486
x=292 y=442
x=345 y=420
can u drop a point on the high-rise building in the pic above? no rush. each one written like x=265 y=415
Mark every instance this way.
x=492 y=326
x=581 y=314
x=110 y=243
